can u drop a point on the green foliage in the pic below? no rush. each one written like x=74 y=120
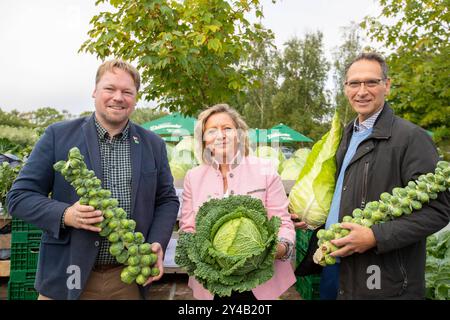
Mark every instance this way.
x=437 y=269
x=402 y=201
x=126 y=245
x=188 y=51
x=143 y=115
x=234 y=246
x=7 y=176
x=419 y=64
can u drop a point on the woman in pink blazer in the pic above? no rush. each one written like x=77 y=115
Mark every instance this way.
x=227 y=169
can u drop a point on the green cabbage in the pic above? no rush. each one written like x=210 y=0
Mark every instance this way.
x=311 y=196
x=437 y=269
x=234 y=246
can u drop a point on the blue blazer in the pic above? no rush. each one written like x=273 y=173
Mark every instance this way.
x=154 y=201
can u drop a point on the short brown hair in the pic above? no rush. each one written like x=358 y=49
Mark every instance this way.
x=122 y=65
x=203 y=117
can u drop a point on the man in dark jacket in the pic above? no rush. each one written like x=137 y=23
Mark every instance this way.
x=380 y=151
x=74 y=260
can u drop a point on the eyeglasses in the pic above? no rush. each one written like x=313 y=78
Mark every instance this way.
x=356 y=84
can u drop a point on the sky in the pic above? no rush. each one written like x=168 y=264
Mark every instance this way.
x=39 y=42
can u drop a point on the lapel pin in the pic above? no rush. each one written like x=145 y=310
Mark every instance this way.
x=136 y=140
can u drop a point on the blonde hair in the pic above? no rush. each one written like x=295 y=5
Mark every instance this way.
x=119 y=64
x=241 y=127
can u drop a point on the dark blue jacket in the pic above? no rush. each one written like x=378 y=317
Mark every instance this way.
x=154 y=201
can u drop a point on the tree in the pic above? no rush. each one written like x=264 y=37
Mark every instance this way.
x=419 y=64
x=342 y=57
x=189 y=52
x=302 y=100
x=256 y=104
x=143 y=115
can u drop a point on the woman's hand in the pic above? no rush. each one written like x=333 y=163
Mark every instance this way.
x=297 y=223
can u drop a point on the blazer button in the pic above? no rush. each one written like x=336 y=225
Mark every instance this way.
x=231 y=175
x=345 y=188
x=97 y=243
x=341 y=292
x=232 y=192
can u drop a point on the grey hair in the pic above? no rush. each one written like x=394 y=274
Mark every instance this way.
x=371 y=56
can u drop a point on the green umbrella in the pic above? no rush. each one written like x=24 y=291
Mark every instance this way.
x=173 y=125
x=284 y=133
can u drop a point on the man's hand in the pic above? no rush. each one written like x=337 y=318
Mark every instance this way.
x=297 y=223
x=360 y=239
x=83 y=217
x=156 y=248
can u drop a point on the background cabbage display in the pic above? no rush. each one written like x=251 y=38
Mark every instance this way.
x=274 y=155
x=234 y=246
x=437 y=269
x=181 y=157
x=311 y=196
x=291 y=168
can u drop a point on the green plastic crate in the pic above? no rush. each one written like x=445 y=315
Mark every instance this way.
x=307 y=287
x=22 y=291
x=20 y=225
x=25 y=250
x=302 y=242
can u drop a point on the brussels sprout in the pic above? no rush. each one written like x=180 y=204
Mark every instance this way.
x=146 y=271
x=320 y=234
x=145 y=248
x=336 y=227
x=385 y=197
x=113 y=202
x=116 y=249
x=131 y=225
x=133 y=260
x=367 y=213
x=416 y=205
x=329 y=260
x=423 y=197
x=139 y=237
x=373 y=205
x=155 y=272
x=84 y=201
x=397 y=212
x=377 y=216
x=59 y=165
x=126 y=277
x=134 y=270
x=412 y=194
x=147 y=260
x=366 y=223
x=128 y=237
x=81 y=191
x=407 y=210
x=329 y=235
x=133 y=250
x=433 y=196
x=122 y=257
x=108 y=213
x=94 y=203
x=383 y=207
x=105 y=231
x=113 y=224
x=113 y=237
x=141 y=279
x=347 y=219
x=357 y=213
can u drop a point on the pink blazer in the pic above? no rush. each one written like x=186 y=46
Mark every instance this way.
x=253 y=176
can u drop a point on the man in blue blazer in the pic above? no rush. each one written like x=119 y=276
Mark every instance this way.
x=74 y=260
